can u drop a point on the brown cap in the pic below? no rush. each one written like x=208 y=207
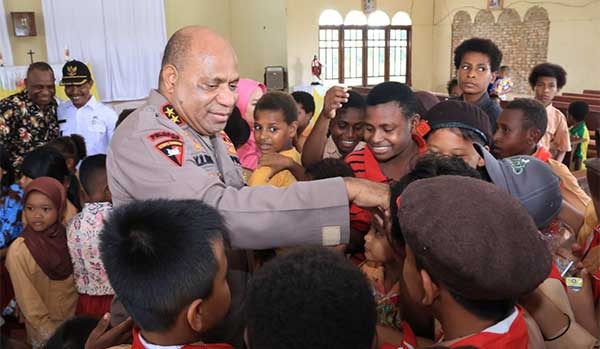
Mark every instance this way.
x=459 y=114
x=473 y=237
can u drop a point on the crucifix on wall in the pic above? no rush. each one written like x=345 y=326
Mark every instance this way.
x=30 y=53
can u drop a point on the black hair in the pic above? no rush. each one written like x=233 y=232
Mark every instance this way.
x=278 y=101
x=494 y=95
x=71 y=147
x=534 y=113
x=355 y=100
x=306 y=100
x=450 y=85
x=427 y=166
x=6 y=164
x=237 y=129
x=72 y=334
x=42 y=66
x=91 y=171
x=46 y=161
x=486 y=310
x=310 y=298
x=504 y=68
x=392 y=91
x=146 y=245
x=548 y=70
x=579 y=110
x=329 y=168
x=123 y=115
x=484 y=46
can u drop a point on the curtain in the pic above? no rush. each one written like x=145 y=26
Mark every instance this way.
x=5 y=48
x=122 y=41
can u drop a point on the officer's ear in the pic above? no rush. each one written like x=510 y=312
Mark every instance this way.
x=168 y=75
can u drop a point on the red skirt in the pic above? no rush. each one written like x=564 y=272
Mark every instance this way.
x=94 y=306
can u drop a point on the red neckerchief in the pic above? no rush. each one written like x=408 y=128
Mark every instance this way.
x=137 y=344
x=517 y=336
x=542 y=154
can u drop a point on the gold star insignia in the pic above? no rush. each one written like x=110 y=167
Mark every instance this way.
x=170 y=112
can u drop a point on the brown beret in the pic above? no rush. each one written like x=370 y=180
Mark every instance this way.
x=473 y=237
x=459 y=114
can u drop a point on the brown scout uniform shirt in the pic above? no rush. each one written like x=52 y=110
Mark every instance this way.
x=155 y=154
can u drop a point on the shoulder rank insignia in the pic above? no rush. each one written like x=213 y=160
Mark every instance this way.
x=168 y=111
x=173 y=150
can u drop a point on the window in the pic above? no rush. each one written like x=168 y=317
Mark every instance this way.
x=361 y=50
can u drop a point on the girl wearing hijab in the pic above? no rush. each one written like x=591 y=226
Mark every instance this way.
x=249 y=92
x=39 y=263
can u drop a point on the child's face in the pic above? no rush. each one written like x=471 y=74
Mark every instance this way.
x=40 y=211
x=271 y=132
x=449 y=142
x=377 y=246
x=511 y=138
x=216 y=306
x=347 y=129
x=456 y=91
x=303 y=116
x=545 y=89
x=254 y=97
x=387 y=131
x=474 y=73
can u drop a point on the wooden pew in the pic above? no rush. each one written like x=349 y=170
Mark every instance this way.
x=591 y=92
x=570 y=99
x=584 y=95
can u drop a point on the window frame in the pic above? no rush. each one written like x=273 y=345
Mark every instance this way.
x=365 y=29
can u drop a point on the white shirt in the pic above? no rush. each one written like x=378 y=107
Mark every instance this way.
x=95 y=122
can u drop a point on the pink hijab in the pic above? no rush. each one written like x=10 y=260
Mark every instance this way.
x=248 y=153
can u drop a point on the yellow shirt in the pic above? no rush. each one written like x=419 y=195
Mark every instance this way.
x=45 y=303
x=590 y=221
x=282 y=179
x=569 y=187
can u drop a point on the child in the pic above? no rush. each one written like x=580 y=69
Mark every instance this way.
x=393 y=141
x=10 y=204
x=547 y=80
x=578 y=112
x=39 y=264
x=453 y=88
x=444 y=255
x=338 y=130
x=166 y=262
x=455 y=126
x=275 y=127
x=249 y=92
x=72 y=148
x=329 y=168
x=306 y=109
x=477 y=61
x=303 y=300
x=95 y=293
x=72 y=334
x=503 y=84
x=48 y=162
x=520 y=128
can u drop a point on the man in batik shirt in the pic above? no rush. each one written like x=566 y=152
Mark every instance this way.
x=28 y=118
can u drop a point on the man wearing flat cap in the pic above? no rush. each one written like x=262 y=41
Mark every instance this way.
x=83 y=114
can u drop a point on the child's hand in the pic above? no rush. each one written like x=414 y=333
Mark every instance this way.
x=102 y=337
x=276 y=162
x=334 y=98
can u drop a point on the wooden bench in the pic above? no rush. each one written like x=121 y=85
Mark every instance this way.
x=571 y=99
x=583 y=95
x=591 y=92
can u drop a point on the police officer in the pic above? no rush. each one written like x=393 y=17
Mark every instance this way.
x=174 y=146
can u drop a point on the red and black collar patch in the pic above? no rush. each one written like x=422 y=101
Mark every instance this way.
x=230 y=147
x=173 y=150
x=169 y=112
x=163 y=134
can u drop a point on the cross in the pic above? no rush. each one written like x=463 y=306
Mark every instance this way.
x=30 y=53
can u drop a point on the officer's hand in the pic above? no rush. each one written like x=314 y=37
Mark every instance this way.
x=334 y=98
x=276 y=162
x=369 y=194
x=102 y=337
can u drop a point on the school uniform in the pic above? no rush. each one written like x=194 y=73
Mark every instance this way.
x=569 y=187
x=556 y=138
x=281 y=179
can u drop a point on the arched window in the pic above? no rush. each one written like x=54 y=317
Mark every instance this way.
x=401 y=18
x=378 y=18
x=355 y=18
x=364 y=50
x=330 y=17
